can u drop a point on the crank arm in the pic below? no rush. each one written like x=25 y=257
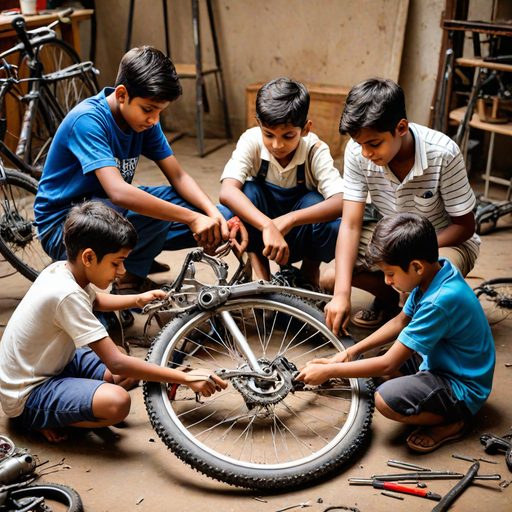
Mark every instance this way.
x=233 y=374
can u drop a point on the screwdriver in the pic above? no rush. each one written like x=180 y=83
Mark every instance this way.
x=391 y=486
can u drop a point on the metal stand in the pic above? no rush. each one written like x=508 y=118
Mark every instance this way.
x=196 y=71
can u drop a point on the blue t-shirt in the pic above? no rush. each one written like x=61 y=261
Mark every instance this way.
x=448 y=328
x=89 y=139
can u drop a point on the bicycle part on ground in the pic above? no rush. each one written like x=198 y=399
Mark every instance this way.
x=494 y=444
x=488 y=212
x=458 y=489
x=7 y=447
x=426 y=475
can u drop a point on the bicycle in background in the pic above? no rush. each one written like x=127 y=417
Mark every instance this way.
x=42 y=78
x=31 y=109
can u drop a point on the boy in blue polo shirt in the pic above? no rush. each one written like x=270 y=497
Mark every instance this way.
x=442 y=321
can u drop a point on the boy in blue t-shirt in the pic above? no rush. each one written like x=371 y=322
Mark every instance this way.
x=442 y=321
x=94 y=155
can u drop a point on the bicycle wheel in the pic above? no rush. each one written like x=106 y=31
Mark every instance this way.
x=495 y=295
x=258 y=433
x=18 y=240
x=45 y=497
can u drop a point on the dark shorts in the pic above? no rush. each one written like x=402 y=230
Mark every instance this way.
x=423 y=392
x=66 y=398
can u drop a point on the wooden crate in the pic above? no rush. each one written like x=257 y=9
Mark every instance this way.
x=325 y=110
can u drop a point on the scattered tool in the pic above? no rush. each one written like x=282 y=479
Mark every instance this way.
x=458 y=489
x=391 y=495
x=428 y=475
x=391 y=486
x=472 y=459
x=494 y=444
x=406 y=465
x=299 y=505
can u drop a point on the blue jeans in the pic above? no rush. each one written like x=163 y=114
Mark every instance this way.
x=155 y=235
x=316 y=242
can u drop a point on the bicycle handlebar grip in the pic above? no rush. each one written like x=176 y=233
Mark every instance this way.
x=18 y=24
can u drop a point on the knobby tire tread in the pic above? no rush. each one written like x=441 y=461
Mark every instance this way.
x=272 y=480
x=57 y=492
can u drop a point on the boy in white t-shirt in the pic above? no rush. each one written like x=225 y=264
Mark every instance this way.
x=281 y=181
x=58 y=366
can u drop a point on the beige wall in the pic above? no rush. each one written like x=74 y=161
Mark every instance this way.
x=336 y=42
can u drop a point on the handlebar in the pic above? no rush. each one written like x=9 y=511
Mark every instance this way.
x=30 y=38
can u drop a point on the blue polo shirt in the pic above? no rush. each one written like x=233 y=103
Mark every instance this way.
x=89 y=139
x=448 y=328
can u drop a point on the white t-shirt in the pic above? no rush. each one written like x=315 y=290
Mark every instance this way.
x=250 y=151
x=54 y=318
x=437 y=186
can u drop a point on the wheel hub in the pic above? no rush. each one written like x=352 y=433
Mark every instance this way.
x=264 y=391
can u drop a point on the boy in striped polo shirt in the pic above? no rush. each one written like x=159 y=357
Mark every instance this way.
x=402 y=167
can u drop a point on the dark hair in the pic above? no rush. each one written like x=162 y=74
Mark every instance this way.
x=375 y=103
x=94 y=225
x=282 y=101
x=399 y=239
x=147 y=73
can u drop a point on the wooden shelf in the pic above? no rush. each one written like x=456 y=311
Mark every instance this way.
x=501 y=128
x=480 y=63
x=189 y=70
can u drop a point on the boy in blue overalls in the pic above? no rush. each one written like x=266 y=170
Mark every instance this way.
x=282 y=182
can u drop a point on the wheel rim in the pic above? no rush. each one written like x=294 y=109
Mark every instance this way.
x=294 y=429
x=17 y=229
x=496 y=300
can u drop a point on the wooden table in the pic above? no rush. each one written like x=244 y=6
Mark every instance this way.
x=70 y=31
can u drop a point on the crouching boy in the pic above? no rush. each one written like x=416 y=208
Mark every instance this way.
x=442 y=321
x=58 y=366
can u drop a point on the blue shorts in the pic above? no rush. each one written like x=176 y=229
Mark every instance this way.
x=66 y=398
x=423 y=392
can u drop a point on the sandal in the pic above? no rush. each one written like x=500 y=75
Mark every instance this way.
x=374 y=315
x=437 y=441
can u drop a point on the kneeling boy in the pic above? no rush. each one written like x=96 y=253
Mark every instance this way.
x=442 y=321
x=58 y=366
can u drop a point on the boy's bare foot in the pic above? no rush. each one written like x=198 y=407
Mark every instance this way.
x=54 y=435
x=427 y=439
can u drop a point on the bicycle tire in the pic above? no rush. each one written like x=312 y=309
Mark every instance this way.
x=52 y=493
x=280 y=440
x=19 y=243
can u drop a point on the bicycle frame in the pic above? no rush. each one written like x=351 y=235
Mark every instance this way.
x=187 y=293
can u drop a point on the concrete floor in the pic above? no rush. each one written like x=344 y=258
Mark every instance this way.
x=129 y=469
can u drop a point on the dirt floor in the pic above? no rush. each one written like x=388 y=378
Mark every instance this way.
x=129 y=469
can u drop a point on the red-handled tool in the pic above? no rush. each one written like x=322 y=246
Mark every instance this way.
x=391 y=486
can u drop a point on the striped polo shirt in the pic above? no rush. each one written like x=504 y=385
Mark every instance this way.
x=437 y=186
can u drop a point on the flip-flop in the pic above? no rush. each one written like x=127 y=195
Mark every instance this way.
x=427 y=449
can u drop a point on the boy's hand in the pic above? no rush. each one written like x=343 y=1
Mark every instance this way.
x=284 y=223
x=342 y=357
x=316 y=374
x=145 y=298
x=204 y=382
x=237 y=230
x=337 y=314
x=276 y=249
x=206 y=231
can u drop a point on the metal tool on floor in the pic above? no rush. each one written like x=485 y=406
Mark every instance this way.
x=495 y=444
x=299 y=505
x=391 y=486
x=428 y=475
x=405 y=465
